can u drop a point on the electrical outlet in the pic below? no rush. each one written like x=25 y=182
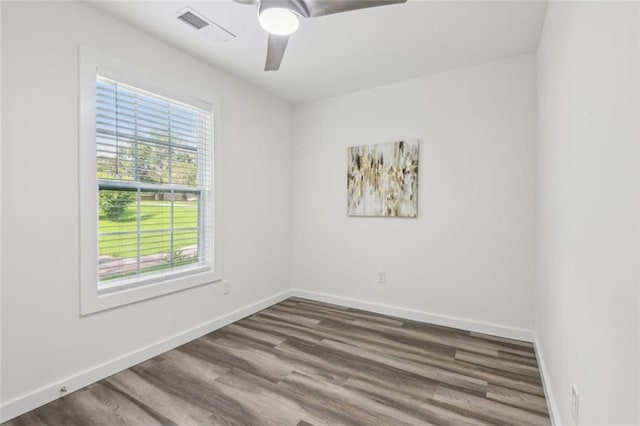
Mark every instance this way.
x=574 y=405
x=226 y=288
x=382 y=277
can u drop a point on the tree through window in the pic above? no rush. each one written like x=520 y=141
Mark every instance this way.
x=152 y=162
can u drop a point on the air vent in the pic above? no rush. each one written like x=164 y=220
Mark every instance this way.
x=204 y=25
x=192 y=19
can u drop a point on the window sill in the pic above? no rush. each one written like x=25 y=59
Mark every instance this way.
x=96 y=301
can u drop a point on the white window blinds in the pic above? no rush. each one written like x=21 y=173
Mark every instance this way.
x=153 y=161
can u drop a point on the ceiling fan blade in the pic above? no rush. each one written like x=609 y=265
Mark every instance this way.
x=329 y=7
x=275 y=51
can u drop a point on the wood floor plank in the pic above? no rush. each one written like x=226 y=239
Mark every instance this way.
x=453 y=341
x=177 y=409
x=525 y=360
x=418 y=405
x=348 y=365
x=300 y=361
x=323 y=305
x=102 y=405
x=293 y=318
x=427 y=371
x=260 y=336
x=202 y=393
x=491 y=410
x=435 y=328
x=497 y=363
x=348 y=314
x=505 y=340
x=281 y=328
x=357 y=406
x=264 y=399
x=446 y=361
x=518 y=399
x=181 y=361
x=307 y=363
x=399 y=387
x=352 y=333
x=241 y=355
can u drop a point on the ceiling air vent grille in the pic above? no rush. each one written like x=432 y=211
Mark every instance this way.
x=192 y=19
x=202 y=24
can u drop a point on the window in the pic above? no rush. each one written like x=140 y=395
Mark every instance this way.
x=147 y=187
x=152 y=161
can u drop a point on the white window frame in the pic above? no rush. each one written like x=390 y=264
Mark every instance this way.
x=92 y=298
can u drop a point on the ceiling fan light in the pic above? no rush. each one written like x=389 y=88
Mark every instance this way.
x=278 y=21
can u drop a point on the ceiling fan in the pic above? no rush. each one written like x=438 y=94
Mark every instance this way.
x=280 y=19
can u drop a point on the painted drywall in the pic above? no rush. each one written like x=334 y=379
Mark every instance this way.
x=43 y=338
x=587 y=209
x=0 y=200
x=469 y=254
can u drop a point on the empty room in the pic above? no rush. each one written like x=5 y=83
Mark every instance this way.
x=320 y=212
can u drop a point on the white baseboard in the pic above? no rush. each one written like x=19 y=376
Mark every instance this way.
x=464 y=324
x=546 y=383
x=51 y=392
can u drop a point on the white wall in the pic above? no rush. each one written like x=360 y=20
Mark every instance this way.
x=43 y=337
x=1 y=200
x=587 y=209
x=469 y=255
x=470 y=252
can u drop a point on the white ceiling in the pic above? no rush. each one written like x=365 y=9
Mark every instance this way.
x=346 y=52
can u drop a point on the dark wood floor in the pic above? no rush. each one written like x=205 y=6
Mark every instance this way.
x=307 y=363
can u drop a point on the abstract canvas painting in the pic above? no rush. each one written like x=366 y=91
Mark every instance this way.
x=382 y=179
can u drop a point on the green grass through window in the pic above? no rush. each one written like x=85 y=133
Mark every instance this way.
x=155 y=215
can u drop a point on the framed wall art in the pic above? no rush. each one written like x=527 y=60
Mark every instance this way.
x=382 y=179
